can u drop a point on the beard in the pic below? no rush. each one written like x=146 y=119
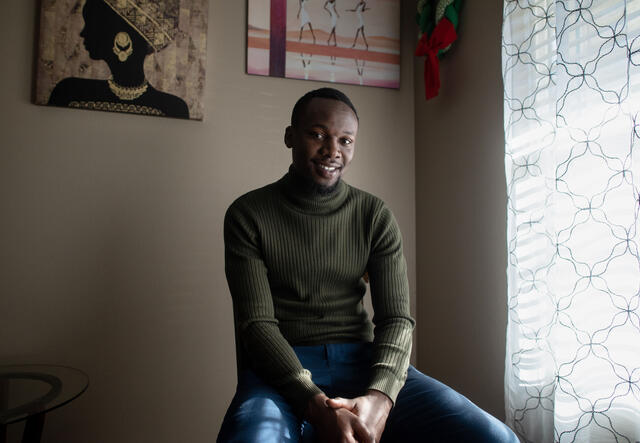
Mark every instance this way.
x=312 y=188
x=322 y=190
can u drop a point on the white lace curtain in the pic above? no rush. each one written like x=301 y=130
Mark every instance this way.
x=572 y=126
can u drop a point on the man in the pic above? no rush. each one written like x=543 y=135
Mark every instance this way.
x=311 y=365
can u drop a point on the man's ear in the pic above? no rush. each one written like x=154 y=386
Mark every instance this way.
x=288 y=136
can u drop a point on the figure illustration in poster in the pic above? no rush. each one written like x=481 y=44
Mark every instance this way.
x=303 y=15
x=330 y=7
x=123 y=33
x=306 y=64
x=360 y=70
x=359 y=10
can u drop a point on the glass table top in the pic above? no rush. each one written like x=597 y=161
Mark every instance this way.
x=31 y=389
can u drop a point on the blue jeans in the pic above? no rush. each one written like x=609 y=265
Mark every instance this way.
x=425 y=410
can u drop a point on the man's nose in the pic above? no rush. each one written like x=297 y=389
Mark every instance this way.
x=331 y=147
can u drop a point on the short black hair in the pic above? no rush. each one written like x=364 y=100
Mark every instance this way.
x=330 y=93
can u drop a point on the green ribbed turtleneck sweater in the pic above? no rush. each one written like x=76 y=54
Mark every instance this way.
x=294 y=263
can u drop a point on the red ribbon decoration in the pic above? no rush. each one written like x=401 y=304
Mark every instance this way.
x=442 y=36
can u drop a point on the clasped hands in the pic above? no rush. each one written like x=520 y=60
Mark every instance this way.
x=360 y=419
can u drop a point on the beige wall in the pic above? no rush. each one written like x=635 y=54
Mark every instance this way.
x=460 y=214
x=111 y=254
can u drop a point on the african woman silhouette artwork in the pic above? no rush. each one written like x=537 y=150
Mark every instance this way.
x=122 y=34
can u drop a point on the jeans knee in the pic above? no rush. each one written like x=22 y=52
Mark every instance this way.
x=511 y=436
x=501 y=433
x=260 y=420
x=481 y=427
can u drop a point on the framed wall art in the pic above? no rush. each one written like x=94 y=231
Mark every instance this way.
x=339 y=41
x=135 y=56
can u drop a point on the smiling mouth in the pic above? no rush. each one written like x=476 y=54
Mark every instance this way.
x=327 y=171
x=327 y=168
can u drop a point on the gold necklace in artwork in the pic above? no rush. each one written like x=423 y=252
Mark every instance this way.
x=127 y=92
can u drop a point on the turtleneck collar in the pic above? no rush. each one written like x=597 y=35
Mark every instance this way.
x=298 y=194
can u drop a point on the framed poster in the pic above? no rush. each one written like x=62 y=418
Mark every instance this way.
x=135 y=56
x=339 y=41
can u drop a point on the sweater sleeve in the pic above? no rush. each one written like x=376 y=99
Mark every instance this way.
x=390 y=296
x=267 y=351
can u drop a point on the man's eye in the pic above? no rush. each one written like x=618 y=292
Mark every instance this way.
x=316 y=135
x=347 y=141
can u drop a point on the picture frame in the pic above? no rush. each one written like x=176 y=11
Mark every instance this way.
x=143 y=57
x=337 y=41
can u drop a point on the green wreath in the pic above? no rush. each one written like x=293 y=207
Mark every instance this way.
x=430 y=12
x=438 y=21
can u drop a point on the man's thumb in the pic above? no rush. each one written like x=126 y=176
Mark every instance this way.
x=339 y=402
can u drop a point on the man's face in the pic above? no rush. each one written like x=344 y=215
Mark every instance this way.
x=323 y=141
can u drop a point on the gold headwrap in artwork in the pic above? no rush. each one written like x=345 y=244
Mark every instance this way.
x=155 y=20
